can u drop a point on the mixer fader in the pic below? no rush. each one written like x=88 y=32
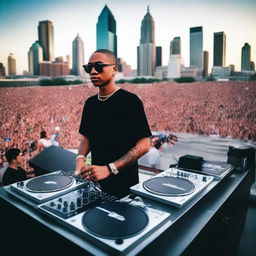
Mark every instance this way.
x=77 y=201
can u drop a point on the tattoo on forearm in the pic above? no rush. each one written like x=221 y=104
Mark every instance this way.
x=84 y=144
x=131 y=156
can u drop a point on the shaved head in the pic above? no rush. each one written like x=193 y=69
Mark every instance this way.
x=109 y=53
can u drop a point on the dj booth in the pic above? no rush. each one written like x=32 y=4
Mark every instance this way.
x=207 y=220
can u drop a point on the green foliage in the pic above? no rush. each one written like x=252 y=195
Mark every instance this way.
x=252 y=77
x=210 y=78
x=58 y=81
x=45 y=82
x=139 y=80
x=185 y=79
x=77 y=82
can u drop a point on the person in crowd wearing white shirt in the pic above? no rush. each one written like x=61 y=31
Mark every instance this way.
x=43 y=142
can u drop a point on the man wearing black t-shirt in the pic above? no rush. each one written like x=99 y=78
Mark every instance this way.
x=14 y=172
x=114 y=128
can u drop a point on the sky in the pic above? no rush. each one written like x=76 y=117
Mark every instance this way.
x=19 y=20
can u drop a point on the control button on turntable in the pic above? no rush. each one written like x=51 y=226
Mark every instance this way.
x=204 y=179
x=21 y=183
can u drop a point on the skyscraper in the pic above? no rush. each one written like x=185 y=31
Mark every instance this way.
x=252 y=66
x=196 y=47
x=147 y=49
x=175 y=60
x=46 y=39
x=246 y=57
x=35 y=56
x=2 y=69
x=106 y=31
x=206 y=63
x=78 y=56
x=11 y=65
x=158 y=56
x=175 y=46
x=219 y=49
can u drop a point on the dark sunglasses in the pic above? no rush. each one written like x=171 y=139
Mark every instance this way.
x=98 y=66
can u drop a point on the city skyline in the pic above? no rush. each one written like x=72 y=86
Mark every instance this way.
x=172 y=19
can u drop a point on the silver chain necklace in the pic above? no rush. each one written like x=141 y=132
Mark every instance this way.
x=103 y=98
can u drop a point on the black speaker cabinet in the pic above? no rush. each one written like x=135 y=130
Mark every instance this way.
x=53 y=159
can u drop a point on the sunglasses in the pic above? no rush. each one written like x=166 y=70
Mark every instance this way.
x=98 y=66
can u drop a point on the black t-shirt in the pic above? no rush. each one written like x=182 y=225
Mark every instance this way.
x=113 y=127
x=12 y=175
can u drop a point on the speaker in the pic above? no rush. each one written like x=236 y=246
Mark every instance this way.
x=241 y=157
x=53 y=159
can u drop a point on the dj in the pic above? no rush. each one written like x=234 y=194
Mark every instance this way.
x=114 y=128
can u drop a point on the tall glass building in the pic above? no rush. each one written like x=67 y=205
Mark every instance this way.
x=77 y=56
x=175 y=46
x=146 y=51
x=46 y=39
x=11 y=65
x=35 y=56
x=2 y=69
x=246 y=57
x=106 y=31
x=206 y=63
x=175 y=60
x=158 y=56
x=196 y=47
x=219 y=49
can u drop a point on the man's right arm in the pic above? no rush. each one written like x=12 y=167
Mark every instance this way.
x=83 y=150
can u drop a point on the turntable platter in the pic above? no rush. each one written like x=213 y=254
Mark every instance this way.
x=169 y=186
x=115 y=220
x=49 y=183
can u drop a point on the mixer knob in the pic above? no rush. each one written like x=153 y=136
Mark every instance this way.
x=65 y=204
x=85 y=200
x=72 y=206
x=65 y=209
x=59 y=206
x=52 y=204
x=59 y=199
x=79 y=202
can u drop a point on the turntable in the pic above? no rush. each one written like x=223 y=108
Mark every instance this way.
x=174 y=186
x=115 y=226
x=46 y=187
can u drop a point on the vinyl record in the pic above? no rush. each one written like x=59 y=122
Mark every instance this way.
x=115 y=220
x=49 y=183
x=169 y=186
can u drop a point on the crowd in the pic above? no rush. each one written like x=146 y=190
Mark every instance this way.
x=223 y=108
